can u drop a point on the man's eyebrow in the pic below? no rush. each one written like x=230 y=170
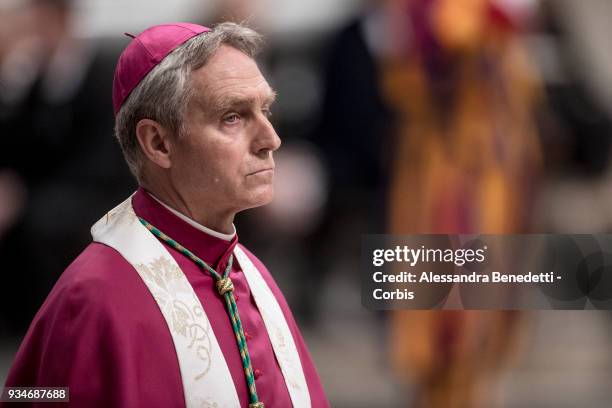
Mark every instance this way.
x=271 y=97
x=227 y=102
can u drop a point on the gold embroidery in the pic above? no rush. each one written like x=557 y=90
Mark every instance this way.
x=281 y=347
x=165 y=280
x=123 y=214
x=203 y=404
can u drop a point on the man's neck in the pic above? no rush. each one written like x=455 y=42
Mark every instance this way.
x=220 y=224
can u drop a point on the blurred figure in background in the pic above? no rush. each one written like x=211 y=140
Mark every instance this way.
x=58 y=151
x=435 y=102
x=353 y=137
x=468 y=154
x=577 y=124
x=466 y=160
x=576 y=128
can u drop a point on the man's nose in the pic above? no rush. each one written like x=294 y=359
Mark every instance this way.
x=266 y=138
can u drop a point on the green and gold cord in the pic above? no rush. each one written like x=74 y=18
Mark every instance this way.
x=225 y=287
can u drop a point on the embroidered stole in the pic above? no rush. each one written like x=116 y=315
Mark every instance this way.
x=206 y=378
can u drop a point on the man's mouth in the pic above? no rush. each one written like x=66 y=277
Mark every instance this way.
x=262 y=171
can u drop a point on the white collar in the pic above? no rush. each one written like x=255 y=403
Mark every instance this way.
x=206 y=230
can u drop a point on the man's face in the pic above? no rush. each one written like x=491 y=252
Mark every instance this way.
x=224 y=160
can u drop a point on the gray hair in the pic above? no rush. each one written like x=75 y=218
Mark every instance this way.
x=164 y=93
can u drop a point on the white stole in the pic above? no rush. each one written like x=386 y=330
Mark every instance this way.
x=206 y=378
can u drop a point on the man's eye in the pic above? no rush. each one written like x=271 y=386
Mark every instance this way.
x=267 y=112
x=231 y=118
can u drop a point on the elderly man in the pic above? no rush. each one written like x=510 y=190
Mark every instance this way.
x=164 y=308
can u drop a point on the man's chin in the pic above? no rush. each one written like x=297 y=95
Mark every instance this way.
x=261 y=199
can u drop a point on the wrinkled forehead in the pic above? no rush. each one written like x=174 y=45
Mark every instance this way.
x=229 y=75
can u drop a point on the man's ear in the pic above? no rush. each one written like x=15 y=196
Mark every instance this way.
x=155 y=142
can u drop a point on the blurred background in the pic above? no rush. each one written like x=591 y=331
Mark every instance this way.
x=397 y=116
